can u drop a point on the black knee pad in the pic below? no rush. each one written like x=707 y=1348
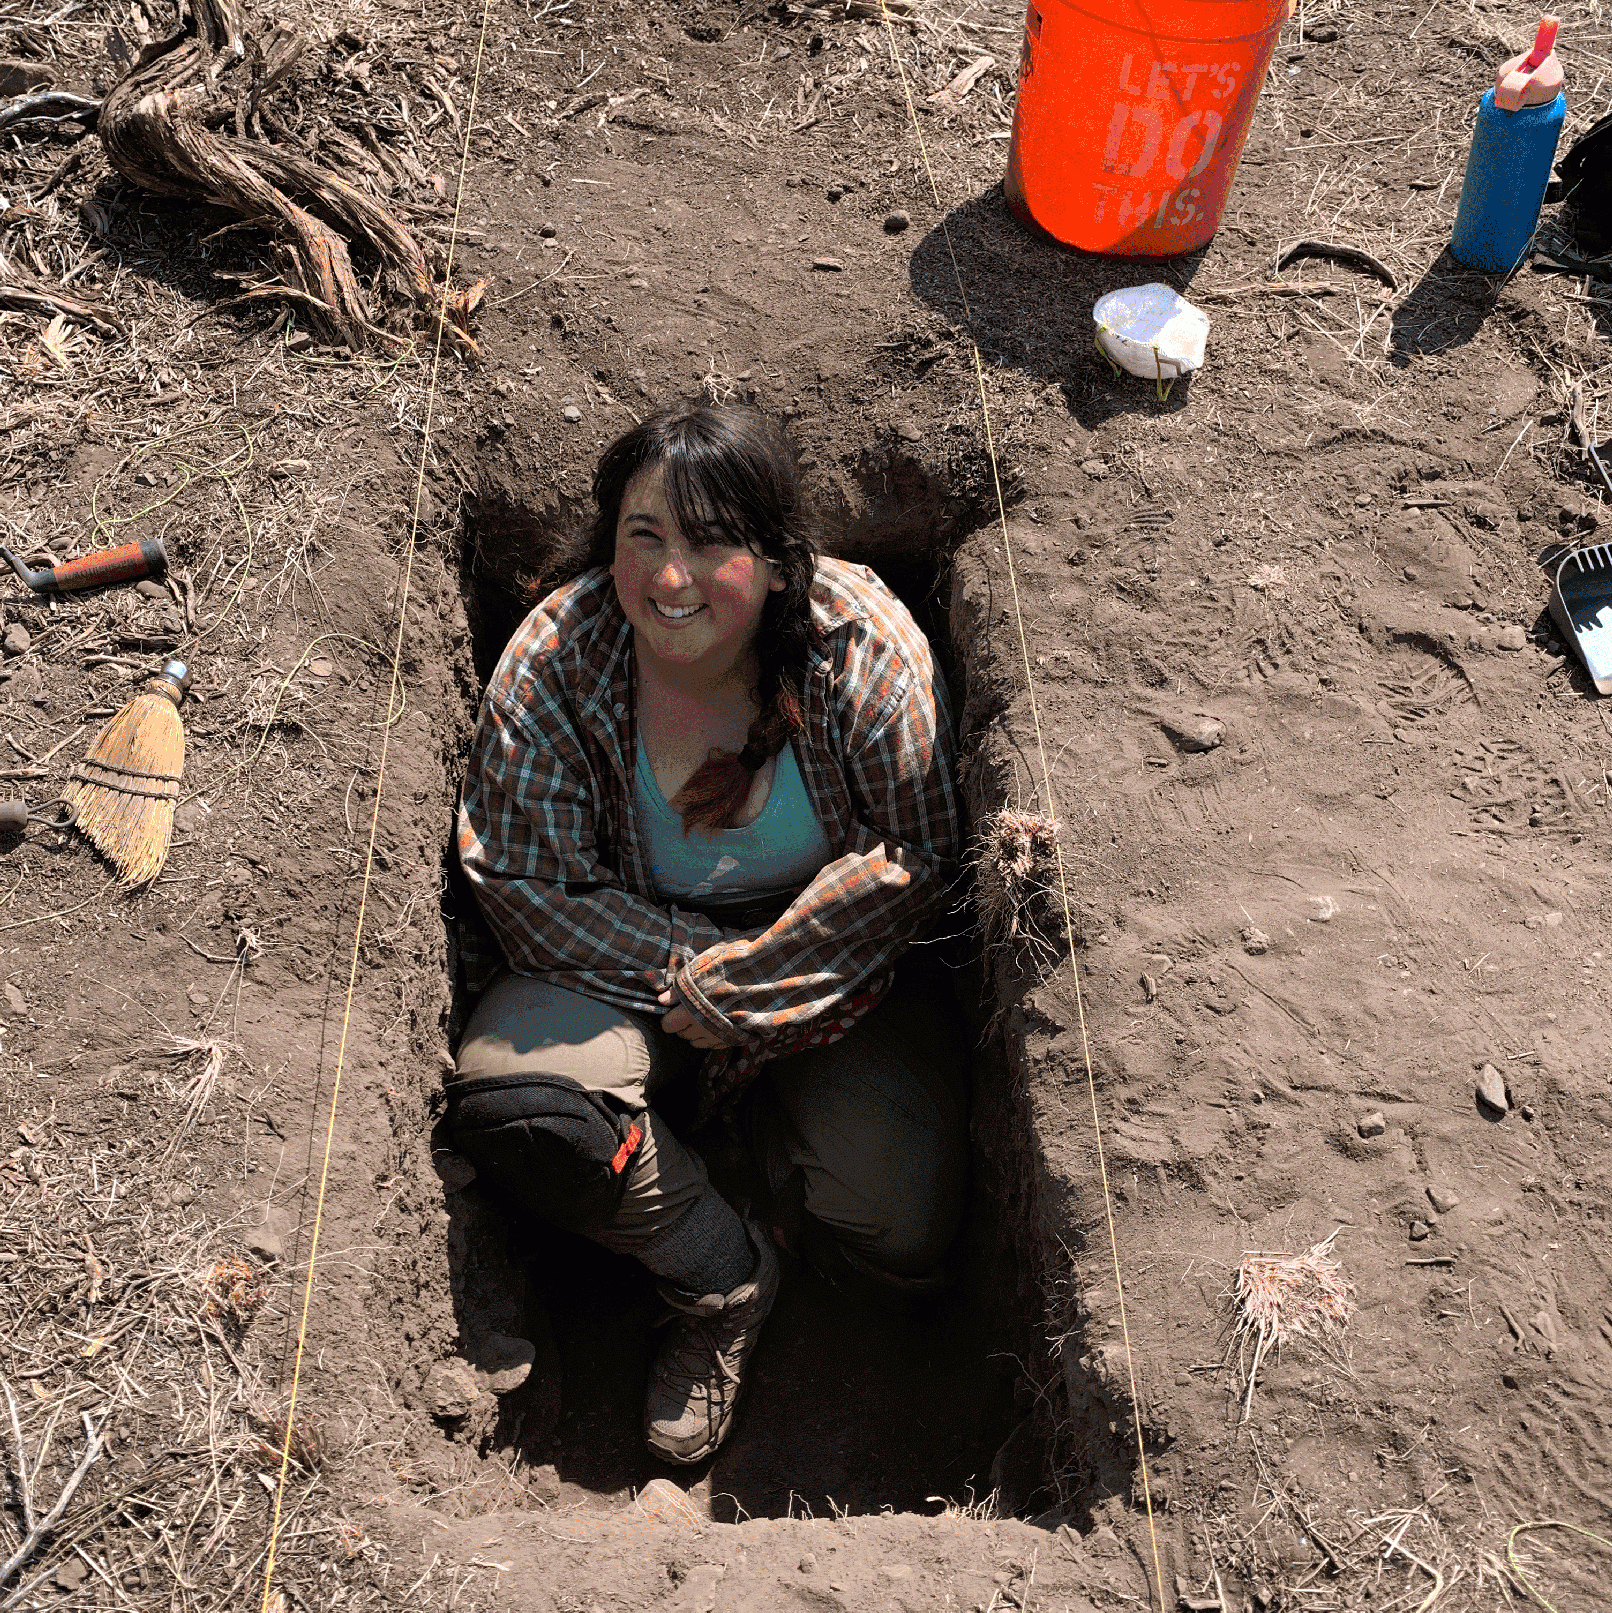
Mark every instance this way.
x=547 y=1147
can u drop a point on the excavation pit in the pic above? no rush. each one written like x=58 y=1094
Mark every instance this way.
x=852 y=1406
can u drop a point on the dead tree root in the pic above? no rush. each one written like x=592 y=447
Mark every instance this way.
x=157 y=128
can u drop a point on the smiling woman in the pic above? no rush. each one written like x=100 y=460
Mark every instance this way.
x=710 y=804
x=693 y=600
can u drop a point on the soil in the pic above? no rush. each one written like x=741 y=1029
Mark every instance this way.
x=1325 y=558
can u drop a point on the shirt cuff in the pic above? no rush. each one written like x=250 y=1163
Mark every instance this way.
x=693 y=999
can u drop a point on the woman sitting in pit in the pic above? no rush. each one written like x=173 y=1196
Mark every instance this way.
x=710 y=804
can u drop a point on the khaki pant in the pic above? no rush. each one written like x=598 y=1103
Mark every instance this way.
x=870 y=1129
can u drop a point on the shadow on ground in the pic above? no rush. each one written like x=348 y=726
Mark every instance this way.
x=1446 y=308
x=1029 y=303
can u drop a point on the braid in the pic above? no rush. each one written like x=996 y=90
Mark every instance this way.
x=721 y=785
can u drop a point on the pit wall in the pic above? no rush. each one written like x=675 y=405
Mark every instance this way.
x=1062 y=1458
x=1033 y=1134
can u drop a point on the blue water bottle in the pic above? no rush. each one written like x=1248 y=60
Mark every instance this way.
x=1508 y=166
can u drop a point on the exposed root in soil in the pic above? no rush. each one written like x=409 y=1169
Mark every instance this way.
x=1015 y=867
x=155 y=126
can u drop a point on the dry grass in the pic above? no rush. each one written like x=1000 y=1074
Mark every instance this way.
x=138 y=1429
x=1285 y=1297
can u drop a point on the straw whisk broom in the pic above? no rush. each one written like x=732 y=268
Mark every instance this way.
x=126 y=789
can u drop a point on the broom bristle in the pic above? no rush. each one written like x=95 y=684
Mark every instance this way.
x=127 y=787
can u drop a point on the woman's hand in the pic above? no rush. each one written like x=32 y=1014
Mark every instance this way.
x=680 y=1022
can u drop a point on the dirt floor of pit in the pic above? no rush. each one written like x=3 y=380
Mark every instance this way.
x=1299 y=948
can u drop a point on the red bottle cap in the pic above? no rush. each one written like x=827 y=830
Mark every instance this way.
x=1535 y=78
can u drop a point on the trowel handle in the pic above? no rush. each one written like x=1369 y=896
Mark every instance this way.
x=129 y=562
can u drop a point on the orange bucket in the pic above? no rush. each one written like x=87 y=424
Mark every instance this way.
x=1132 y=115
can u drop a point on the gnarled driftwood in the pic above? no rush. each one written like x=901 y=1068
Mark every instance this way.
x=157 y=128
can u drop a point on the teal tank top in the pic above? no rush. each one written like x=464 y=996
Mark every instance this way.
x=778 y=854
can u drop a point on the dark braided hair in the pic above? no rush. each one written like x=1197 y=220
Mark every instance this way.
x=728 y=465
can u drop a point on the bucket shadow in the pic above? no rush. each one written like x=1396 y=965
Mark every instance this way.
x=1029 y=303
x=1445 y=309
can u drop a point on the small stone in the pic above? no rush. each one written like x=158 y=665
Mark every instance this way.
x=1161 y=963
x=1150 y=988
x=1363 y=499
x=835 y=192
x=71 y=1574
x=506 y=1362
x=1372 y=1125
x=1419 y=1230
x=450 y=1388
x=548 y=231
x=697 y=1593
x=908 y=430
x=662 y=1501
x=1492 y=1089
x=151 y=590
x=1255 y=941
x=544 y=1483
x=267 y=1228
x=895 y=1571
x=1552 y=920
x=828 y=265
x=1097 y=469
x=456 y=1171
x=19 y=1003
x=17 y=641
x=638 y=283
x=187 y=817
x=1441 y=1198
x=807 y=1564
x=1511 y=637
x=1196 y=733
x=896 y=222
x=572 y=414
x=1527 y=1112
x=198 y=998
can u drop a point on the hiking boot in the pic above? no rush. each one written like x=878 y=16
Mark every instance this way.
x=695 y=1381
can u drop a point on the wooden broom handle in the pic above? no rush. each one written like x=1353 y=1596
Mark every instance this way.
x=127 y=563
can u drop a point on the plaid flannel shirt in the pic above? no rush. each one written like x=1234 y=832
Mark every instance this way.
x=549 y=839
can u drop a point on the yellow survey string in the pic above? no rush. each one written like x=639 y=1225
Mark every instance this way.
x=393 y=704
x=1046 y=784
